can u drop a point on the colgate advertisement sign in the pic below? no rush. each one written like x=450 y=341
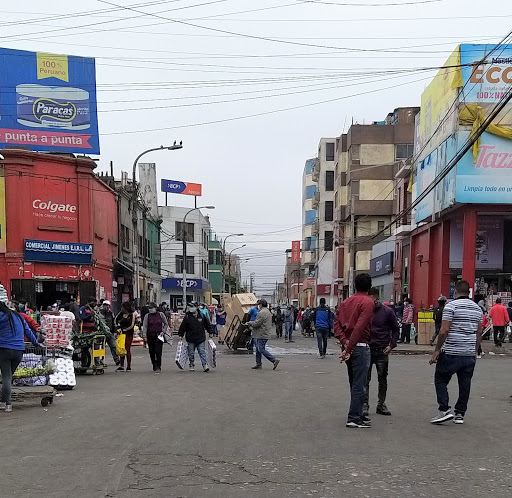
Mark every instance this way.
x=52 y=212
x=489 y=179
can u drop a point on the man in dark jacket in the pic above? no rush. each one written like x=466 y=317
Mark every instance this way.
x=108 y=316
x=322 y=321
x=383 y=337
x=438 y=318
x=194 y=327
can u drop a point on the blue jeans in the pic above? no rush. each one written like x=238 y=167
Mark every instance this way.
x=447 y=365
x=288 y=329
x=322 y=335
x=191 y=346
x=260 y=350
x=9 y=361
x=358 y=366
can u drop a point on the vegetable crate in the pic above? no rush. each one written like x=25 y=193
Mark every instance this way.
x=35 y=367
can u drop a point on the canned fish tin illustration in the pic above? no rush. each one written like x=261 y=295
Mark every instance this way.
x=41 y=106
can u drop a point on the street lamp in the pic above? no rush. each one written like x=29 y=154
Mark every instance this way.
x=135 y=251
x=184 y=282
x=229 y=267
x=223 y=289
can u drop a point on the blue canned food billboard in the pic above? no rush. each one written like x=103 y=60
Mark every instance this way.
x=48 y=102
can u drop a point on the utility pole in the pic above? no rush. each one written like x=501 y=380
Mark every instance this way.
x=352 y=269
x=135 y=248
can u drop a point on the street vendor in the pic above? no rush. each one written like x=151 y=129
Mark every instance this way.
x=87 y=315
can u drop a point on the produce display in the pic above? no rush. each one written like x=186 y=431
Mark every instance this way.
x=22 y=372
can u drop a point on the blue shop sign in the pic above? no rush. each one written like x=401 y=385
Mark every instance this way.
x=47 y=251
x=381 y=265
x=177 y=283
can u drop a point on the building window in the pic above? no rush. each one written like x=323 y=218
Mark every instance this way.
x=311 y=270
x=329 y=181
x=380 y=225
x=404 y=151
x=354 y=152
x=125 y=237
x=187 y=228
x=329 y=151
x=211 y=257
x=148 y=249
x=328 y=242
x=140 y=246
x=190 y=264
x=329 y=210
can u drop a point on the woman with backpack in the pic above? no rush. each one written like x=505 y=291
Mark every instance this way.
x=154 y=327
x=13 y=329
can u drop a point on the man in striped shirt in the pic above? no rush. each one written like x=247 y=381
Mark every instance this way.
x=455 y=353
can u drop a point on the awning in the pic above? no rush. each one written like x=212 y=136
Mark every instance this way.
x=124 y=264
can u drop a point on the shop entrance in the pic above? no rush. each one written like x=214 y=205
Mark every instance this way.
x=41 y=294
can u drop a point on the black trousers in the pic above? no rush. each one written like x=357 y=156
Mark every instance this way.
x=155 y=346
x=381 y=362
x=499 y=335
x=406 y=333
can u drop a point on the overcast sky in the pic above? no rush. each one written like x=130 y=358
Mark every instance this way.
x=166 y=68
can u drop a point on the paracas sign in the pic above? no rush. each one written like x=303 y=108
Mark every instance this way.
x=53 y=207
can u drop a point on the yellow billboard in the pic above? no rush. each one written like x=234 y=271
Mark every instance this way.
x=437 y=104
x=3 y=232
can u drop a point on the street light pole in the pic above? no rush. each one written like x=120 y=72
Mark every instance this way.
x=223 y=289
x=184 y=235
x=135 y=249
x=229 y=267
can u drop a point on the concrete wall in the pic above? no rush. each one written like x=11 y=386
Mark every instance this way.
x=370 y=154
x=376 y=190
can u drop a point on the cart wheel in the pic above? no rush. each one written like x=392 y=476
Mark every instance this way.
x=44 y=402
x=99 y=371
x=50 y=400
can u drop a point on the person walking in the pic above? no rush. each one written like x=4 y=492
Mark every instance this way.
x=455 y=353
x=109 y=318
x=261 y=331
x=407 y=320
x=322 y=321
x=279 y=323
x=288 y=323
x=500 y=318
x=220 y=315
x=154 y=326
x=13 y=329
x=194 y=328
x=383 y=338
x=125 y=321
x=438 y=317
x=352 y=328
x=307 y=317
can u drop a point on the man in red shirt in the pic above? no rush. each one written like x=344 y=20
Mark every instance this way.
x=499 y=317
x=352 y=328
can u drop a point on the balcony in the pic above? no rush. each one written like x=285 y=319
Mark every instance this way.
x=316 y=199
x=308 y=257
x=316 y=172
x=316 y=227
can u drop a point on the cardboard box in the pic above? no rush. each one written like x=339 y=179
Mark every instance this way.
x=232 y=334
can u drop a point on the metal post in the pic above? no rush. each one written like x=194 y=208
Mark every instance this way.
x=353 y=245
x=166 y=198
x=229 y=274
x=184 y=283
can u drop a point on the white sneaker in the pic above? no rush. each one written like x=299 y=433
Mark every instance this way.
x=206 y=368
x=442 y=417
x=458 y=419
x=3 y=406
x=191 y=368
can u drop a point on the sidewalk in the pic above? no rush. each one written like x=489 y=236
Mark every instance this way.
x=308 y=345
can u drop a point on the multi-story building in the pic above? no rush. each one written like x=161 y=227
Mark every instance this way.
x=292 y=279
x=147 y=249
x=232 y=273
x=59 y=233
x=196 y=231
x=368 y=159
x=318 y=185
x=215 y=258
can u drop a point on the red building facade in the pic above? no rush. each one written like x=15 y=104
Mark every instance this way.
x=56 y=209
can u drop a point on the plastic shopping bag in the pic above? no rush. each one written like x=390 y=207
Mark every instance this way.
x=211 y=353
x=181 y=355
x=120 y=344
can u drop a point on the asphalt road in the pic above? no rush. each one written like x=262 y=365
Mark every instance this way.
x=236 y=432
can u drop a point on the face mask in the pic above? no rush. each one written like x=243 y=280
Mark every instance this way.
x=192 y=310
x=152 y=310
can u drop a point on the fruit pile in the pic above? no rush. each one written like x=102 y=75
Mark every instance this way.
x=23 y=372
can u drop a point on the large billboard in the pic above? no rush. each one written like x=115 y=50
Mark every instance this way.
x=485 y=83
x=48 y=102
x=177 y=187
x=489 y=180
